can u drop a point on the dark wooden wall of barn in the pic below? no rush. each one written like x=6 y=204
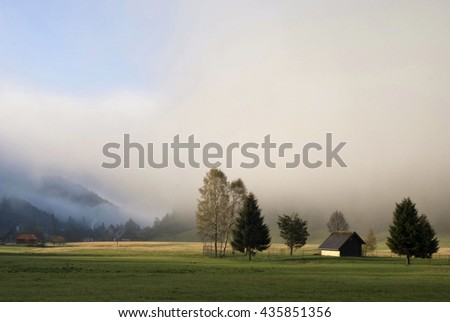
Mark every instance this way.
x=352 y=247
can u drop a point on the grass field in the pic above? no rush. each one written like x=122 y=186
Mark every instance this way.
x=159 y=271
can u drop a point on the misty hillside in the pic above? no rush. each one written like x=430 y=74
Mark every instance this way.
x=70 y=199
x=55 y=206
x=60 y=188
x=63 y=197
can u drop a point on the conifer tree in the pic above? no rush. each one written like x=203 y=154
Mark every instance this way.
x=404 y=237
x=428 y=244
x=410 y=234
x=250 y=234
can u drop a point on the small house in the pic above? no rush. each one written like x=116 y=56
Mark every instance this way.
x=27 y=239
x=342 y=243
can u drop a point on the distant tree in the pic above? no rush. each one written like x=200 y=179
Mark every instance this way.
x=371 y=242
x=57 y=240
x=146 y=233
x=428 y=243
x=118 y=232
x=238 y=193
x=337 y=222
x=75 y=230
x=166 y=228
x=54 y=224
x=131 y=230
x=213 y=208
x=293 y=230
x=410 y=234
x=250 y=234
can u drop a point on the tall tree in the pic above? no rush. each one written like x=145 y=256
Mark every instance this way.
x=238 y=193
x=250 y=234
x=428 y=243
x=371 y=242
x=337 y=222
x=213 y=207
x=404 y=231
x=131 y=230
x=293 y=230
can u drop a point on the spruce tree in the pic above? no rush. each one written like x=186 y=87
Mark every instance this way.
x=403 y=239
x=410 y=234
x=250 y=234
x=428 y=243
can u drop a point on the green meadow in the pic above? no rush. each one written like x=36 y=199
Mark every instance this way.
x=159 y=271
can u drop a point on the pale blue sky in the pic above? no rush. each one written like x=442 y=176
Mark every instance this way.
x=80 y=45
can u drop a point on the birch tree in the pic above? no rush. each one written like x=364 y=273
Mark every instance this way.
x=213 y=208
x=238 y=193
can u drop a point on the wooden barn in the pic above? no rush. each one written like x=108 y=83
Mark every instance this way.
x=27 y=239
x=342 y=243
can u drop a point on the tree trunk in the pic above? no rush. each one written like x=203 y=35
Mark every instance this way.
x=216 y=234
x=292 y=248
x=225 y=247
x=408 y=259
x=229 y=227
x=249 y=255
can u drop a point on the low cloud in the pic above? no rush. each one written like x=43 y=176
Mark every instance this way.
x=238 y=73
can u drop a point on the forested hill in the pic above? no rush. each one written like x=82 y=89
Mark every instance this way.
x=20 y=216
x=57 y=187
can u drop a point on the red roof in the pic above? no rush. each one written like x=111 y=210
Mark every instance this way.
x=27 y=237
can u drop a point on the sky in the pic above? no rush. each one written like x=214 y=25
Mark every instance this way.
x=75 y=75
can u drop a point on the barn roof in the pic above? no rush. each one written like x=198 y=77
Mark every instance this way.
x=338 y=238
x=27 y=237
